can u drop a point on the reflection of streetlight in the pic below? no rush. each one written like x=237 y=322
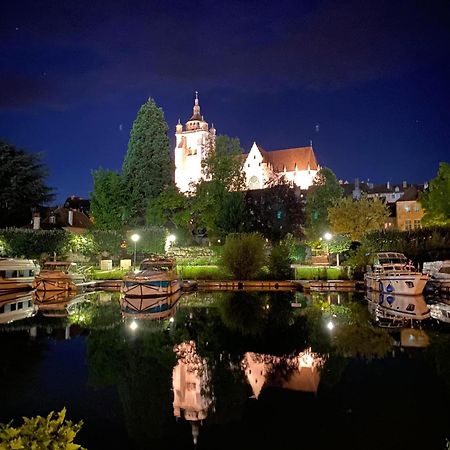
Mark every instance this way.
x=135 y=237
x=133 y=325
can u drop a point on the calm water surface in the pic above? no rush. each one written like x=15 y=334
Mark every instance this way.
x=240 y=370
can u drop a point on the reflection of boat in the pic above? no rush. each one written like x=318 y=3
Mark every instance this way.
x=393 y=310
x=161 y=307
x=156 y=277
x=53 y=303
x=440 y=311
x=16 y=306
x=439 y=272
x=391 y=273
x=57 y=276
x=16 y=274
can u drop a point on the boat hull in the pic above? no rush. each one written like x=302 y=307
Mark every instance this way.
x=150 y=288
x=401 y=284
x=54 y=284
x=16 y=284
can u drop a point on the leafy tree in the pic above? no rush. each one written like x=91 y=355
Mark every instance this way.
x=244 y=255
x=22 y=185
x=107 y=202
x=170 y=206
x=357 y=217
x=280 y=260
x=147 y=168
x=219 y=201
x=53 y=431
x=435 y=200
x=275 y=211
x=323 y=194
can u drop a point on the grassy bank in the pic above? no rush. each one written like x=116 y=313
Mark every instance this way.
x=321 y=273
x=202 y=273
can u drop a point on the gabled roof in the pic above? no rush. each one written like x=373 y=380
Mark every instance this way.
x=289 y=158
x=80 y=220
x=411 y=194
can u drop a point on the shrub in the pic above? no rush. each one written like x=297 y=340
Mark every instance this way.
x=280 y=261
x=39 y=432
x=244 y=255
x=202 y=273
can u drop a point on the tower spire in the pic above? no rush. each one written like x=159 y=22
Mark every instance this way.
x=196 y=110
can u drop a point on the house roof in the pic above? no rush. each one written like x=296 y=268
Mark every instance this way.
x=80 y=220
x=411 y=194
x=289 y=158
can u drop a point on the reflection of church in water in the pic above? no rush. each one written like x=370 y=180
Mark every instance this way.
x=297 y=373
x=191 y=387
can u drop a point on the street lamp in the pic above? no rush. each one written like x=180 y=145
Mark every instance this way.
x=135 y=237
x=327 y=236
x=169 y=240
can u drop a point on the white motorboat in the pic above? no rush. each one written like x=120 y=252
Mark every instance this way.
x=392 y=273
x=17 y=274
x=439 y=272
x=156 y=277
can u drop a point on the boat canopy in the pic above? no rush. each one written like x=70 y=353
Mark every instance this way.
x=389 y=258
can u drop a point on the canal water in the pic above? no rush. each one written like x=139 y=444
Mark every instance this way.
x=241 y=370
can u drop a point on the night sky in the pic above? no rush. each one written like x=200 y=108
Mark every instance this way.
x=366 y=81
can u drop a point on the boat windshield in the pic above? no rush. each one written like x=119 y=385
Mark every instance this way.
x=391 y=258
x=156 y=267
x=53 y=265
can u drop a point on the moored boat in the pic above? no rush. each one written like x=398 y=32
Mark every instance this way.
x=439 y=272
x=156 y=277
x=392 y=273
x=57 y=276
x=17 y=274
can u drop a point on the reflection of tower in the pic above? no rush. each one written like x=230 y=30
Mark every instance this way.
x=191 y=398
x=264 y=370
x=192 y=146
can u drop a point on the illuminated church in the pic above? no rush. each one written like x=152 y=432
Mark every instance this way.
x=297 y=165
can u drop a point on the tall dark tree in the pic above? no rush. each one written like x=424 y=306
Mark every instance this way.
x=22 y=185
x=322 y=195
x=275 y=211
x=107 y=202
x=147 y=168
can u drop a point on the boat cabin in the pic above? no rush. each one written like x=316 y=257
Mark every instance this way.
x=62 y=266
x=157 y=265
x=390 y=262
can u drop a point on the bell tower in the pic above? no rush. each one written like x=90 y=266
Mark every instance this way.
x=193 y=142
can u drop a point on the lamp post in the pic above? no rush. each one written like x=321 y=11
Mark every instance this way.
x=327 y=236
x=169 y=241
x=135 y=237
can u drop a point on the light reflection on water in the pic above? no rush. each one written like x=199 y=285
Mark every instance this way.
x=187 y=369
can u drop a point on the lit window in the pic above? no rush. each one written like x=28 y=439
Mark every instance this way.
x=407 y=209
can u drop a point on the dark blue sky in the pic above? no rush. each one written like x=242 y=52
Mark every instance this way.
x=366 y=81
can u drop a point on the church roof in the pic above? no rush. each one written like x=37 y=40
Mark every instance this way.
x=291 y=157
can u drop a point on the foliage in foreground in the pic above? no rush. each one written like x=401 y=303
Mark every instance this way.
x=357 y=217
x=51 y=432
x=244 y=255
x=435 y=199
